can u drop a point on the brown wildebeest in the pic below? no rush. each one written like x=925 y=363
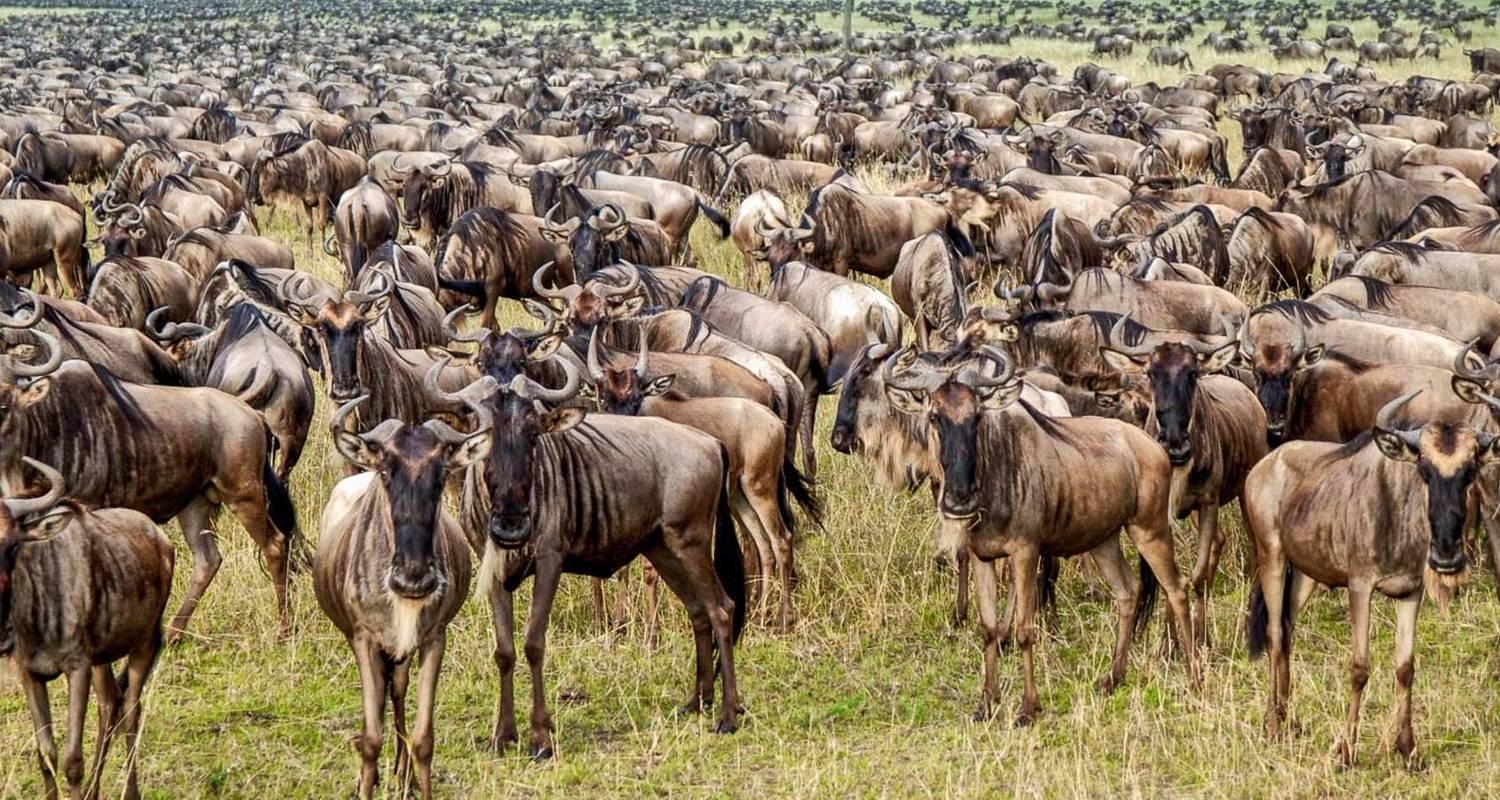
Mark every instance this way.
x=393 y=569
x=1328 y=513
x=1006 y=468
x=79 y=590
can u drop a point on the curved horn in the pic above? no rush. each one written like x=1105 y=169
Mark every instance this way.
x=447 y=167
x=54 y=358
x=543 y=312
x=978 y=380
x=529 y=389
x=24 y=507
x=916 y=378
x=539 y=283
x=359 y=298
x=19 y=322
x=1386 y=419
x=605 y=291
x=596 y=372
x=450 y=326
x=166 y=332
x=640 y=359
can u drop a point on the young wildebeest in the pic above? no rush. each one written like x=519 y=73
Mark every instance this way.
x=1353 y=515
x=1007 y=469
x=80 y=590
x=551 y=498
x=1213 y=429
x=392 y=570
x=763 y=476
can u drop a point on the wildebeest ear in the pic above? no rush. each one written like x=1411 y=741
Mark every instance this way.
x=628 y=308
x=377 y=308
x=1312 y=356
x=360 y=453
x=35 y=392
x=1467 y=390
x=658 y=385
x=906 y=401
x=997 y=397
x=1393 y=446
x=808 y=246
x=1009 y=332
x=617 y=234
x=552 y=234
x=301 y=313
x=471 y=450
x=544 y=348
x=588 y=391
x=1218 y=360
x=559 y=420
x=1118 y=361
x=1107 y=399
x=40 y=529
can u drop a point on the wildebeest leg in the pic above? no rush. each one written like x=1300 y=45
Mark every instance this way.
x=291 y=453
x=197 y=531
x=750 y=522
x=1156 y=547
x=989 y=626
x=372 y=680
x=41 y=721
x=1204 y=569
x=650 y=578
x=400 y=678
x=251 y=512
x=422 y=740
x=108 y=692
x=1123 y=587
x=79 y=685
x=1359 y=667
x=503 y=614
x=1491 y=517
x=1278 y=648
x=695 y=574
x=1023 y=567
x=677 y=578
x=809 y=422
x=544 y=591
x=620 y=617
x=137 y=670
x=1406 y=668
x=600 y=613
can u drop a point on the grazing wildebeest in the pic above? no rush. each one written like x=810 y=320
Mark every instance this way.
x=1358 y=515
x=79 y=590
x=392 y=570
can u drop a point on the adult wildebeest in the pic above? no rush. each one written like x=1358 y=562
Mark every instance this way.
x=1329 y=514
x=42 y=235
x=79 y=590
x=306 y=171
x=160 y=450
x=545 y=501
x=366 y=217
x=393 y=569
x=855 y=232
x=1008 y=470
x=493 y=254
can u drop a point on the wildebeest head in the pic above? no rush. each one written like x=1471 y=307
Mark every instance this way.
x=23 y=383
x=782 y=244
x=1040 y=150
x=411 y=463
x=1336 y=155
x=122 y=236
x=954 y=404
x=504 y=355
x=524 y=412
x=585 y=306
x=1172 y=370
x=337 y=327
x=419 y=181
x=1274 y=363
x=621 y=391
x=1448 y=457
x=594 y=240
x=26 y=521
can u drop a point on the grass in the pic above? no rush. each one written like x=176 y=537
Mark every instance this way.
x=869 y=696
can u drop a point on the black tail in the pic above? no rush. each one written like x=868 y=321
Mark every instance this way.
x=1259 y=617
x=729 y=562
x=1145 y=602
x=473 y=289
x=1221 y=163
x=715 y=217
x=283 y=514
x=85 y=273
x=793 y=485
x=357 y=261
x=1047 y=583
x=960 y=241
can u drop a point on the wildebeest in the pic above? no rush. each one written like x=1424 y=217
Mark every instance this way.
x=1327 y=513
x=40 y=235
x=365 y=218
x=79 y=590
x=392 y=570
x=497 y=253
x=305 y=171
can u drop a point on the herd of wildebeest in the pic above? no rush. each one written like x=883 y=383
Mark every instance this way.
x=1119 y=376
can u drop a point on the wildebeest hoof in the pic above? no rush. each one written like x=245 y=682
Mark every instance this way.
x=984 y=713
x=1345 y=753
x=541 y=753
x=690 y=708
x=725 y=726
x=1025 y=719
x=1106 y=685
x=501 y=742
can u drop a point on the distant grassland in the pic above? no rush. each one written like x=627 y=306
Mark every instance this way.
x=869 y=696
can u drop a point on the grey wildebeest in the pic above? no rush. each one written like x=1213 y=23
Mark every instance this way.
x=545 y=502
x=42 y=235
x=493 y=254
x=994 y=450
x=307 y=172
x=365 y=218
x=1327 y=513
x=856 y=232
x=161 y=450
x=79 y=590
x=393 y=569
